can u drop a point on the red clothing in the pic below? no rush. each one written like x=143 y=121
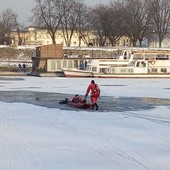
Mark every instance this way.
x=77 y=99
x=94 y=96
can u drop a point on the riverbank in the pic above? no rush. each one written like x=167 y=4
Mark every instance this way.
x=8 y=73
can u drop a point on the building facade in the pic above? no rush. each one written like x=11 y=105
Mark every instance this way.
x=37 y=36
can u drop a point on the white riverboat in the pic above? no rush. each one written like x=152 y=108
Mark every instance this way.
x=92 y=65
x=132 y=64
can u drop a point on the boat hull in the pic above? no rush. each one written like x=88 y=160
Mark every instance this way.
x=132 y=75
x=77 y=73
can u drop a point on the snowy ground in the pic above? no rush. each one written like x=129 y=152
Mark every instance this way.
x=37 y=136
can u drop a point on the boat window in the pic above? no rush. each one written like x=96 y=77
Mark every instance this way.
x=138 y=64
x=58 y=63
x=125 y=55
x=138 y=56
x=82 y=65
x=131 y=70
x=163 y=70
x=75 y=63
x=106 y=70
x=102 y=70
x=162 y=57
x=123 y=70
x=113 y=70
x=143 y=64
x=70 y=63
x=64 y=64
x=53 y=65
x=94 y=69
x=154 y=70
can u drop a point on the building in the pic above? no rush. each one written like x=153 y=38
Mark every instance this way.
x=33 y=35
x=44 y=54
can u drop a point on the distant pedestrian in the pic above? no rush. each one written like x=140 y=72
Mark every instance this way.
x=19 y=67
x=24 y=67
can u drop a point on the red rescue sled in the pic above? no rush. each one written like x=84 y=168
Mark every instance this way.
x=80 y=105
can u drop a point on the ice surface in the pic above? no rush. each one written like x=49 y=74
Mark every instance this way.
x=42 y=138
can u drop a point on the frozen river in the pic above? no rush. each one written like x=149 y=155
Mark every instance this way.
x=131 y=130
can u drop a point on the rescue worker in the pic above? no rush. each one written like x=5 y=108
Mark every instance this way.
x=95 y=93
x=77 y=99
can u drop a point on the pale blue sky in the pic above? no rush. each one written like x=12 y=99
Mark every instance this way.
x=23 y=7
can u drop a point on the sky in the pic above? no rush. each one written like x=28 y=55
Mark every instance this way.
x=36 y=137
x=23 y=7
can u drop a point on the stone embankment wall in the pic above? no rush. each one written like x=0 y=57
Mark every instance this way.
x=11 y=57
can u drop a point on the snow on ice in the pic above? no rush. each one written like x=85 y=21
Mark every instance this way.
x=35 y=137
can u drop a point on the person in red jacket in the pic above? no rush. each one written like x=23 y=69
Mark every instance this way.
x=95 y=93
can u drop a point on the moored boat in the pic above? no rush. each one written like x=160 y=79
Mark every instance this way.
x=150 y=65
x=77 y=73
x=92 y=65
x=132 y=64
x=138 y=69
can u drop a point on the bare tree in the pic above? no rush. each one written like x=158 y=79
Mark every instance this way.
x=49 y=14
x=160 y=18
x=137 y=20
x=8 y=20
x=98 y=20
x=20 y=29
x=83 y=28
x=69 y=21
x=115 y=28
x=107 y=22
